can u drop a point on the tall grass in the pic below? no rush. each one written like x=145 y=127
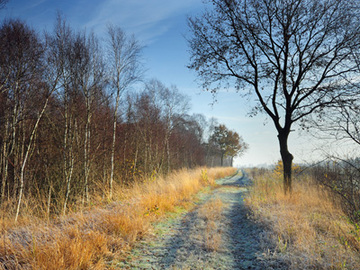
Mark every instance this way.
x=309 y=227
x=97 y=237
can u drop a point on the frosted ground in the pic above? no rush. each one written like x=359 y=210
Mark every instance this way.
x=182 y=241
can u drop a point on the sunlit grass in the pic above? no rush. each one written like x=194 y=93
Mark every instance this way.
x=309 y=227
x=97 y=237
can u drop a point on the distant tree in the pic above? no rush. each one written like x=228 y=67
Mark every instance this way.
x=227 y=142
x=236 y=145
x=187 y=142
x=296 y=56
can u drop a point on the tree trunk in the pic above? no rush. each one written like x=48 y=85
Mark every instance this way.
x=68 y=152
x=5 y=161
x=114 y=143
x=287 y=159
x=222 y=159
x=87 y=150
x=168 y=154
x=135 y=161
x=22 y=172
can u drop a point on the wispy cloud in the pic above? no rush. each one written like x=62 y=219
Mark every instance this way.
x=146 y=19
x=37 y=3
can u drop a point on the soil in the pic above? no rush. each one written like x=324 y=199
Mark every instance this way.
x=179 y=242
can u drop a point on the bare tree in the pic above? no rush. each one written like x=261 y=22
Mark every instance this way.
x=29 y=148
x=124 y=67
x=173 y=105
x=295 y=56
x=26 y=97
x=59 y=56
x=87 y=76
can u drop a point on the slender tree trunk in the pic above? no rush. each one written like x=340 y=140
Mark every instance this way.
x=114 y=143
x=68 y=153
x=86 y=151
x=287 y=159
x=14 y=145
x=27 y=152
x=68 y=176
x=5 y=165
x=86 y=161
x=145 y=159
x=113 y=153
x=112 y=159
x=5 y=161
x=135 y=159
x=168 y=154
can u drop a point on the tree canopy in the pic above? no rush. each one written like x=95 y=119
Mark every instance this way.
x=227 y=142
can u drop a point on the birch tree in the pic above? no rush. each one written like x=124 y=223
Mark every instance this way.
x=124 y=70
x=59 y=42
x=25 y=95
x=173 y=105
x=87 y=76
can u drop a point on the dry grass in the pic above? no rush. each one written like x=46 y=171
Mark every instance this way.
x=211 y=212
x=309 y=226
x=93 y=238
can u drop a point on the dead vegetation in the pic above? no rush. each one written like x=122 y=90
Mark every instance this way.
x=211 y=213
x=309 y=227
x=94 y=237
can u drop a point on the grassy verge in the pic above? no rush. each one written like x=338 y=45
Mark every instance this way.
x=91 y=239
x=309 y=227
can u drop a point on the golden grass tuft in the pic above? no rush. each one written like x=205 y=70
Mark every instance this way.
x=309 y=227
x=97 y=237
x=211 y=212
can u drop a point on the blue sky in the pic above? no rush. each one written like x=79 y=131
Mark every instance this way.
x=160 y=25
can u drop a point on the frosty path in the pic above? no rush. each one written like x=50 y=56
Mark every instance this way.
x=192 y=241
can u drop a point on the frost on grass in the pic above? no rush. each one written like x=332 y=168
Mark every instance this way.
x=217 y=234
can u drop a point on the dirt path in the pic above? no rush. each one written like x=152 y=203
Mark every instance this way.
x=194 y=241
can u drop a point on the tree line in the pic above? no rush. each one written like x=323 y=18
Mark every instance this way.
x=69 y=124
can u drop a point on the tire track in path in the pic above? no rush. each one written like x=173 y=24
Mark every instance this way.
x=180 y=242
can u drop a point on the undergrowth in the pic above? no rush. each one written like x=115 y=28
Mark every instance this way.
x=309 y=227
x=97 y=237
